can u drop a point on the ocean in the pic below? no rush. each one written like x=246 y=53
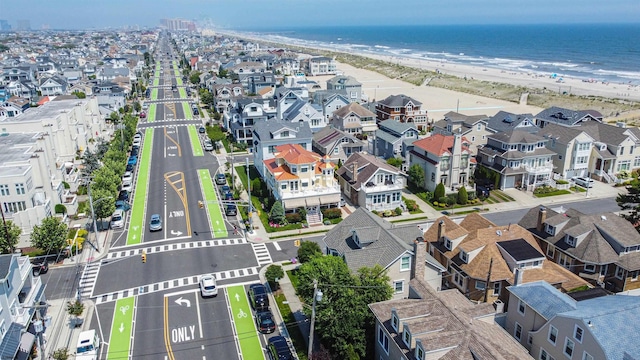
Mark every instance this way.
x=600 y=52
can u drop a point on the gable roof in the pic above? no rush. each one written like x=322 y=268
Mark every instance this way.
x=395 y=126
x=367 y=166
x=439 y=144
x=267 y=128
x=399 y=101
x=567 y=117
x=355 y=108
x=295 y=154
x=504 y=121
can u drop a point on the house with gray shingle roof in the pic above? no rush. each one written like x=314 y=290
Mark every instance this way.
x=506 y=121
x=402 y=108
x=473 y=127
x=355 y=119
x=304 y=111
x=348 y=84
x=552 y=325
x=365 y=239
x=566 y=117
x=393 y=138
x=370 y=182
x=336 y=144
x=603 y=249
x=274 y=133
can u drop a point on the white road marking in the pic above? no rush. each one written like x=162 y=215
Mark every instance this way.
x=199 y=319
x=276 y=245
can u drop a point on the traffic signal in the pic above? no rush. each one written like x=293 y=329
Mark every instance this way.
x=144 y=257
x=296 y=243
x=200 y=204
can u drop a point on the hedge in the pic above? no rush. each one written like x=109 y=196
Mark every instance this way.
x=332 y=213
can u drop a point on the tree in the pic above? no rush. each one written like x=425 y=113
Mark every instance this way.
x=463 y=197
x=273 y=273
x=194 y=78
x=416 y=175
x=80 y=94
x=75 y=309
x=394 y=161
x=136 y=106
x=307 y=250
x=631 y=201
x=9 y=237
x=50 y=235
x=114 y=117
x=104 y=204
x=206 y=97
x=222 y=72
x=439 y=192
x=61 y=354
x=277 y=213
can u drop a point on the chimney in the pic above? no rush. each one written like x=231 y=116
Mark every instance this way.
x=517 y=279
x=441 y=227
x=355 y=171
x=419 y=259
x=542 y=217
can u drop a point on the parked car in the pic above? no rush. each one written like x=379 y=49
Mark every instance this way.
x=231 y=210
x=195 y=112
x=583 y=181
x=264 y=322
x=122 y=205
x=208 y=286
x=40 y=268
x=143 y=115
x=258 y=297
x=127 y=178
x=227 y=195
x=132 y=160
x=278 y=349
x=208 y=146
x=225 y=188
x=123 y=195
x=134 y=151
x=202 y=130
x=117 y=219
x=221 y=179
x=129 y=167
x=155 y=224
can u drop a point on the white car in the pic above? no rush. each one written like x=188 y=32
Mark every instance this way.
x=208 y=286
x=127 y=178
x=583 y=181
x=137 y=142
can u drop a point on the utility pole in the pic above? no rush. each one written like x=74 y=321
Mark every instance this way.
x=486 y=285
x=250 y=212
x=317 y=295
x=39 y=325
x=93 y=216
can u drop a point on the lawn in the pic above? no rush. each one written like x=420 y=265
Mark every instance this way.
x=552 y=193
x=299 y=342
x=293 y=277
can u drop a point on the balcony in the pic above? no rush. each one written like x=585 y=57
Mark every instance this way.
x=398 y=185
x=384 y=205
x=28 y=297
x=544 y=169
x=315 y=191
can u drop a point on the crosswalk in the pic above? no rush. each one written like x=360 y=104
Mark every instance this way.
x=172 y=247
x=174 y=283
x=88 y=279
x=262 y=254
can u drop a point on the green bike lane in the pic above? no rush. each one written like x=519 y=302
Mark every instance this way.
x=245 y=328
x=121 y=329
x=196 y=147
x=136 y=221
x=212 y=204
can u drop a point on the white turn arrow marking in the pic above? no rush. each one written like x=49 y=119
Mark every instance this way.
x=171 y=154
x=180 y=301
x=237 y=297
x=176 y=233
x=121 y=327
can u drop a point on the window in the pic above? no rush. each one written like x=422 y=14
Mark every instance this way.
x=570 y=240
x=578 y=333
x=284 y=134
x=621 y=150
x=271 y=149
x=398 y=286
x=433 y=177
x=336 y=150
x=590 y=268
x=405 y=263
x=634 y=275
x=497 y=286
x=553 y=334
x=394 y=321
x=304 y=169
x=582 y=159
x=544 y=355
x=479 y=127
x=4 y=190
x=383 y=340
x=406 y=336
x=619 y=272
x=283 y=186
x=473 y=138
x=447 y=244
x=583 y=146
x=586 y=356
x=529 y=339
x=419 y=353
x=624 y=165
x=551 y=251
x=481 y=285
x=551 y=230
x=521 y=307
x=636 y=161
x=568 y=347
x=517 y=332
x=464 y=256
x=294 y=169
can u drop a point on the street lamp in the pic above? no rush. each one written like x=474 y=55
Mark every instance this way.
x=249 y=212
x=317 y=296
x=93 y=214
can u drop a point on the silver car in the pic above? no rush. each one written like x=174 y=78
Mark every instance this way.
x=208 y=286
x=156 y=223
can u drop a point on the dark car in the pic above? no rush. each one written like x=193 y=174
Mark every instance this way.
x=228 y=195
x=231 y=210
x=221 y=179
x=122 y=205
x=195 y=112
x=278 y=349
x=258 y=297
x=124 y=195
x=132 y=160
x=134 y=151
x=202 y=130
x=264 y=322
x=129 y=167
x=40 y=268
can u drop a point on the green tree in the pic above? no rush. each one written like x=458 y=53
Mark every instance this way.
x=222 y=72
x=307 y=250
x=274 y=272
x=104 y=203
x=80 y=94
x=277 y=213
x=394 y=161
x=463 y=197
x=10 y=235
x=114 y=117
x=630 y=204
x=206 y=97
x=50 y=235
x=416 y=175
x=136 y=106
x=61 y=354
x=439 y=191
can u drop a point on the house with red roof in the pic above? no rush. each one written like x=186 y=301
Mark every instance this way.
x=302 y=179
x=444 y=159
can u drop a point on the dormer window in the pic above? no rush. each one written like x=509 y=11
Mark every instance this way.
x=570 y=240
x=394 y=320
x=419 y=351
x=406 y=335
x=464 y=256
x=551 y=230
x=284 y=134
x=294 y=169
x=448 y=244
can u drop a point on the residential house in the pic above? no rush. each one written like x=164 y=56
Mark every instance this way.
x=519 y=158
x=601 y=248
x=330 y=102
x=403 y=109
x=553 y=325
x=301 y=178
x=288 y=96
x=355 y=119
x=20 y=293
x=440 y=325
x=304 y=111
x=22 y=89
x=271 y=134
x=249 y=67
x=473 y=127
x=505 y=121
x=444 y=159
x=108 y=73
x=372 y=183
x=566 y=117
x=482 y=259
x=336 y=144
x=245 y=115
x=348 y=84
x=321 y=65
x=225 y=96
x=364 y=239
x=54 y=85
x=393 y=138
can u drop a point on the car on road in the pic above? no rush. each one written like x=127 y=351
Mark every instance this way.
x=132 y=160
x=155 y=224
x=258 y=297
x=225 y=189
x=40 y=268
x=195 y=112
x=278 y=349
x=123 y=195
x=227 y=195
x=145 y=106
x=583 y=181
x=117 y=219
x=143 y=115
x=221 y=179
x=231 y=210
x=264 y=322
x=208 y=146
x=208 y=286
x=202 y=130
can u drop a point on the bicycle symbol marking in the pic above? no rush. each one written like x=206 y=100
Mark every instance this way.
x=124 y=309
x=242 y=314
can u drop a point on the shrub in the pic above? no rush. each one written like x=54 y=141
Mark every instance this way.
x=66 y=185
x=398 y=211
x=562 y=182
x=426 y=196
x=327 y=222
x=388 y=213
x=293 y=218
x=472 y=195
x=439 y=192
x=411 y=205
x=60 y=209
x=82 y=233
x=274 y=272
x=463 y=197
x=277 y=213
x=307 y=250
x=332 y=213
x=442 y=200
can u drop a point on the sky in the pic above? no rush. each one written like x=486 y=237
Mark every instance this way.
x=264 y=14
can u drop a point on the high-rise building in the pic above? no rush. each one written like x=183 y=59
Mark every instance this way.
x=23 y=25
x=178 y=24
x=4 y=25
